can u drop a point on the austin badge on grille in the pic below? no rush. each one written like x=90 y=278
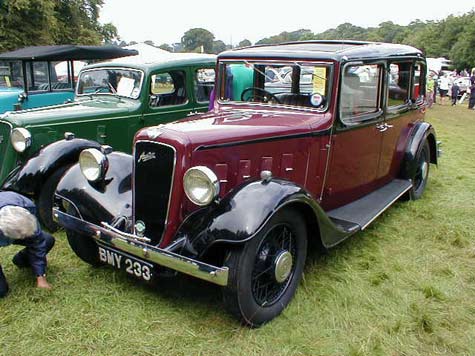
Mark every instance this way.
x=146 y=156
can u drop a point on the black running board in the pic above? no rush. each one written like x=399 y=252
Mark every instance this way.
x=360 y=213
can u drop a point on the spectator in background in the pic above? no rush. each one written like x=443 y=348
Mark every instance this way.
x=471 y=102
x=430 y=91
x=454 y=93
x=19 y=226
x=444 y=88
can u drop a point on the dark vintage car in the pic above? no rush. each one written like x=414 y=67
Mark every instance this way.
x=235 y=196
x=38 y=76
x=113 y=100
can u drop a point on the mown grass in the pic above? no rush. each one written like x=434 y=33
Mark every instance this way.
x=405 y=286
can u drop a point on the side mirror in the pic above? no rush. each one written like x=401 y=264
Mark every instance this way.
x=22 y=97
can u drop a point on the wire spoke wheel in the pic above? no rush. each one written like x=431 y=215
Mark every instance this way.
x=273 y=267
x=266 y=270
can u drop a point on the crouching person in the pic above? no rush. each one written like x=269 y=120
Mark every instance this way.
x=19 y=226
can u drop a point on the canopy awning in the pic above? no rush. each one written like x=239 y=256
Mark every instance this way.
x=66 y=53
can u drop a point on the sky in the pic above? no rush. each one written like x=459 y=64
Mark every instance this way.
x=167 y=21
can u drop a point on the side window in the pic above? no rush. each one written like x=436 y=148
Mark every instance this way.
x=60 y=75
x=418 y=87
x=399 y=83
x=204 y=84
x=168 y=89
x=37 y=76
x=360 y=92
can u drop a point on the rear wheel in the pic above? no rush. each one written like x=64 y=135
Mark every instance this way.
x=46 y=199
x=266 y=271
x=421 y=175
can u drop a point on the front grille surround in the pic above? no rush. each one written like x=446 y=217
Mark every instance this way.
x=152 y=187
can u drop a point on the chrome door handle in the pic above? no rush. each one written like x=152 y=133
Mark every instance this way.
x=191 y=113
x=381 y=127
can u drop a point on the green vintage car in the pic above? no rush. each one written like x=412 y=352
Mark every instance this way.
x=113 y=100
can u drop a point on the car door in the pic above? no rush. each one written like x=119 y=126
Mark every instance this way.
x=405 y=87
x=203 y=78
x=170 y=97
x=356 y=140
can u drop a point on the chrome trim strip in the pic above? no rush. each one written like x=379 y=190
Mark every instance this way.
x=126 y=243
x=171 y=185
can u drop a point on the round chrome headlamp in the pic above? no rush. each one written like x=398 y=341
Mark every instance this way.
x=21 y=139
x=201 y=185
x=93 y=164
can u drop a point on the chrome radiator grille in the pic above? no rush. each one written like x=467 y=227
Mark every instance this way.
x=154 y=166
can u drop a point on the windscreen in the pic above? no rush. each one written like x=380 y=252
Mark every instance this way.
x=293 y=84
x=110 y=81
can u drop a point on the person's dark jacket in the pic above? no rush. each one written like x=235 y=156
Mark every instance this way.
x=36 y=244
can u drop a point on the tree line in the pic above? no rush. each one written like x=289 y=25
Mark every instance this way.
x=452 y=37
x=46 y=22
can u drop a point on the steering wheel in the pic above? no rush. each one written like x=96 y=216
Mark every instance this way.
x=259 y=93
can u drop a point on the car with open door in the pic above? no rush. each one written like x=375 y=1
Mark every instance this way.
x=112 y=101
x=235 y=196
x=38 y=76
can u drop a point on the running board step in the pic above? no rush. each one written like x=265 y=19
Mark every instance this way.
x=360 y=213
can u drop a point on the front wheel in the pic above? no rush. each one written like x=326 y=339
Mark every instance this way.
x=83 y=246
x=266 y=271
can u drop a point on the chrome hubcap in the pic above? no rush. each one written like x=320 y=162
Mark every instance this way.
x=282 y=266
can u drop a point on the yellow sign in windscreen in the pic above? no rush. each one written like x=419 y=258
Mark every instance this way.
x=319 y=80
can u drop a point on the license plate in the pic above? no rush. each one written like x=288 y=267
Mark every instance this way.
x=123 y=261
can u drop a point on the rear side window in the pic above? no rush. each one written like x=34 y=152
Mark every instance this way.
x=168 y=89
x=204 y=84
x=37 y=76
x=399 y=83
x=418 y=88
x=360 y=89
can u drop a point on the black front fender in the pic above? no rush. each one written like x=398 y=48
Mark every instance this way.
x=101 y=201
x=30 y=177
x=241 y=215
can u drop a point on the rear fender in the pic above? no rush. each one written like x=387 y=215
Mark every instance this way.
x=421 y=132
x=30 y=177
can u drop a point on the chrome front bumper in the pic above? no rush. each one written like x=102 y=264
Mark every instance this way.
x=128 y=244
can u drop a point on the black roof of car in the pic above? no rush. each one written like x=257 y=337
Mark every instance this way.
x=67 y=52
x=333 y=50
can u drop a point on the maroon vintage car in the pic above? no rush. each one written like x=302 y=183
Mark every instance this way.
x=307 y=142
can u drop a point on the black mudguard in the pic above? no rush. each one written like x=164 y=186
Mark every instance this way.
x=241 y=215
x=30 y=177
x=102 y=201
x=422 y=131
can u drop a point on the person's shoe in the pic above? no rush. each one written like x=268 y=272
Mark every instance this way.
x=21 y=260
x=3 y=284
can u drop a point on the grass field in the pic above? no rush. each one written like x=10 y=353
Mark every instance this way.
x=405 y=286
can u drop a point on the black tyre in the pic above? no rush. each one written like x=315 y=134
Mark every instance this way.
x=265 y=272
x=46 y=198
x=421 y=176
x=83 y=246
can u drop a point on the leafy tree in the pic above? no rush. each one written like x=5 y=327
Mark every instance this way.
x=244 y=43
x=285 y=37
x=45 y=22
x=219 y=46
x=196 y=38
